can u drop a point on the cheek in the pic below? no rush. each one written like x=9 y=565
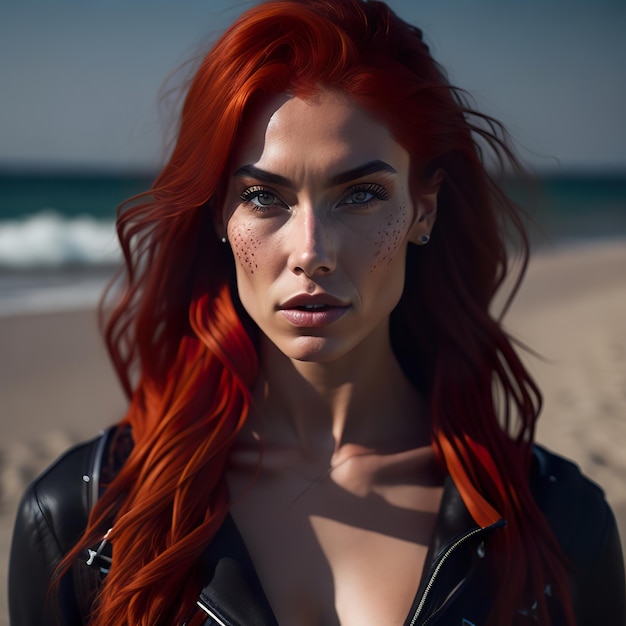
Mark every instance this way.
x=245 y=246
x=386 y=237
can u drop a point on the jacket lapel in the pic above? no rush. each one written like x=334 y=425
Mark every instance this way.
x=231 y=588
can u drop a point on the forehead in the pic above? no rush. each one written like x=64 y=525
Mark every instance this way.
x=327 y=125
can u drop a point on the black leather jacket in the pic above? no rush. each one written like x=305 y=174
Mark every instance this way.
x=455 y=588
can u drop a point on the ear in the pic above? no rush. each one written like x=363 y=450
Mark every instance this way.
x=425 y=203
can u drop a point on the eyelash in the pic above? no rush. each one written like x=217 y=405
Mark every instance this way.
x=378 y=192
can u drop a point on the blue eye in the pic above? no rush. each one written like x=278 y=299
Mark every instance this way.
x=359 y=197
x=364 y=194
x=260 y=198
x=263 y=199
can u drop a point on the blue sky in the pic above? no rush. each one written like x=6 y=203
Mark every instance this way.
x=80 y=80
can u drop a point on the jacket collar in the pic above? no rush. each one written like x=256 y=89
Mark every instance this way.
x=453 y=521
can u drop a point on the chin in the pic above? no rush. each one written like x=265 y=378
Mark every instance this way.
x=308 y=349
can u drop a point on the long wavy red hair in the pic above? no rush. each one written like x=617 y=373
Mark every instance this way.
x=186 y=355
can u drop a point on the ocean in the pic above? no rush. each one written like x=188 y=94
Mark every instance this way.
x=58 y=247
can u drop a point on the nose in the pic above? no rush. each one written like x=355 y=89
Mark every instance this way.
x=311 y=241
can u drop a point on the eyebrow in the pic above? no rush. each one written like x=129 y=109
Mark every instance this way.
x=255 y=172
x=372 y=167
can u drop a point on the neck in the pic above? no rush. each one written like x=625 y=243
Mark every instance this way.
x=361 y=402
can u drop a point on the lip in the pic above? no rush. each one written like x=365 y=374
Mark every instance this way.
x=293 y=312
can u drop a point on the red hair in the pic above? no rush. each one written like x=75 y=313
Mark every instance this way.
x=186 y=356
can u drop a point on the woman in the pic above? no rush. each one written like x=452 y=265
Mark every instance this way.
x=323 y=410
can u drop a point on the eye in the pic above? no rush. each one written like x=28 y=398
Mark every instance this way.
x=260 y=198
x=360 y=197
x=364 y=194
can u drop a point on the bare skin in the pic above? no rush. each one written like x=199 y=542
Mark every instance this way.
x=339 y=514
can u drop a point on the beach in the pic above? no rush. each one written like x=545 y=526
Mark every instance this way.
x=57 y=386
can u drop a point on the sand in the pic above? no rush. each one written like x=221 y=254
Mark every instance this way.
x=57 y=386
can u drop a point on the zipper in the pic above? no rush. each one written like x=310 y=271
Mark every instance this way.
x=211 y=614
x=441 y=563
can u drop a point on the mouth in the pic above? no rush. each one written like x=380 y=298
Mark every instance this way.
x=313 y=311
x=313 y=302
x=313 y=307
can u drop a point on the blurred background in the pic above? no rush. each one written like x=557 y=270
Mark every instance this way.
x=84 y=110
x=84 y=114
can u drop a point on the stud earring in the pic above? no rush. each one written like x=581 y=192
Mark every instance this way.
x=223 y=240
x=424 y=239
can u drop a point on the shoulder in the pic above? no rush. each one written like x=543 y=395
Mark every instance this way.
x=585 y=527
x=58 y=501
x=51 y=517
x=573 y=504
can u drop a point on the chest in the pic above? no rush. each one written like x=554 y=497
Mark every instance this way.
x=338 y=553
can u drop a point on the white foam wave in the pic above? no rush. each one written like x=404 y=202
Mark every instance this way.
x=47 y=239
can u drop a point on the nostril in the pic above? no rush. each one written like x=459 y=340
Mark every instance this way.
x=324 y=269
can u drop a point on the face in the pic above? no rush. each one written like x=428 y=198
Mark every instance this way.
x=319 y=215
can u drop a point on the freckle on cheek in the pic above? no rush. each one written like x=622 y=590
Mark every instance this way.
x=385 y=240
x=244 y=244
